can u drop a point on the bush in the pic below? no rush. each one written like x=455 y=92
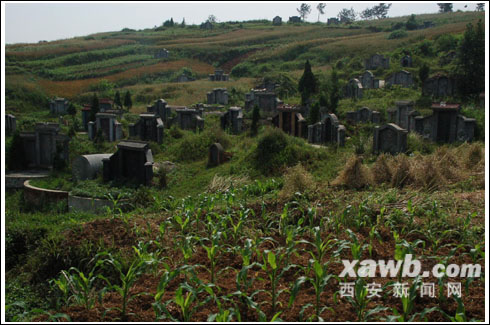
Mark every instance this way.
x=415 y=143
x=446 y=43
x=15 y=154
x=175 y=132
x=273 y=152
x=398 y=34
x=195 y=146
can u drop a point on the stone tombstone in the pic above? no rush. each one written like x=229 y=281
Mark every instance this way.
x=403 y=78
x=406 y=61
x=44 y=145
x=86 y=115
x=315 y=133
x=218 y=96
x=447 y=125
x=190 y=119
x=266 y=100
x=219 y=75
x=150 y=127
x=389 y=138
x=111 y=128
x=403 y=109
x=290 y=120
x=91 y=130
x=88 y=166
x=58 y=106
x=439 y=86
x=161 y=54
x=375 y=117
x=277 y=21
x=376 y=61
x=364 y=115
x=353 y=89
x=341 y=136
x=10 y=124
x=216 y=155
x=333 y=21
x=411 y=120
x=232 y=120
x=105 y=104
x=294 y=19
x=367 y=80
x=206 y=25
x=132 y=161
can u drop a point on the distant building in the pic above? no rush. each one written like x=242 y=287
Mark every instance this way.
x=277 y=21
x=333 y=21
x=295 y=19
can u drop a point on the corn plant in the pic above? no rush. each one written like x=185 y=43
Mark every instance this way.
x=212 y=252
x=81 y=286
x=271 y=266
x=460 y=315
x=360 y=301
x=408 y=303
x=165 y=279
x=142 y=261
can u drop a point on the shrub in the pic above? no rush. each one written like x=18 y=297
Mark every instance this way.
x=397 y=34
x=296 y=179
x=15 y=154
x=354 y=175
x=195 y=146
x=175 y=132
x=273 y=152
x=161 y=176
x=446 y=42
x=416 y=143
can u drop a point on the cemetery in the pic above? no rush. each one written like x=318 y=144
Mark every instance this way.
x=235 y=197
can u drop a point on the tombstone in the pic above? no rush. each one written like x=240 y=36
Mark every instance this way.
x=389 y=138
x=341 y=136
x=277 y=21
x=232 y=120
x=218 y=75
x=364 y=115
x=133 y=161
x=88 y=166
x=445 y=125
x=294 y=19
x=58 y=106
x=44 y=145
x=86 y=116
x=161 y=54
x=403 y=78
x=439 y=86
x=105 y=104
x=406 y=61
x=111 y=128
x=353 y=89
x=403 y=109
x=376 y=61
x=290 y=120
x=218 y=96
x=184 y=78
x=216 y=155
x=367 y=80
x=266 y=100
x=333 y=21
x=411 y=120
x=190 y=119
x=91 y=130
x=206 y=25
x=10 y=124
x=149 y=128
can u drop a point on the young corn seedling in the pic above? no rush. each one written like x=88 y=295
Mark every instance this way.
x=460 y=315
x=408 y=303
x=361 y=300
x=140 y=264
x=212 y=252
x=271 y=265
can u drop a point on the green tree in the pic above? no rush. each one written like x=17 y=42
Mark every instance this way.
x=314 y=115
x=128 y=103
x=411 y=23
x=480 y=7
x=255 y=120
x=117 y=99
x=347 y=16
x=182 y=24
x=445 y=7
x=424 y=71
x=95 y=107
x=72 y=110
x=471 y=61
x=212 y=19
x=334 y=92
x=15 y=156
x=307 y=84
x=380 y=11
x=321 y=9
x=304 y=10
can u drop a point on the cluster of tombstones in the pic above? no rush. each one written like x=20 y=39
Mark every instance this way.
x=218 y=96
x=328 y=130
x=265 y=98
x=355 y=86
x=218 y=75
